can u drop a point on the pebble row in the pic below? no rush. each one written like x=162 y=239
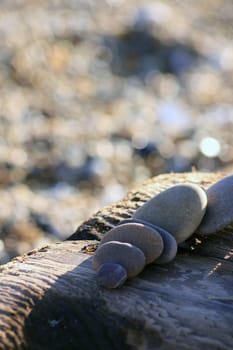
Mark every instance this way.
x=158 y=226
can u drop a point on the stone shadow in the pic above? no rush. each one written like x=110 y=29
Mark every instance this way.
x=139 y=52
x=66 y=319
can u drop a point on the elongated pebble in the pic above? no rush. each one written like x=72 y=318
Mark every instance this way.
x=170 y=246
x=140 y=235
x=111 y=275
x=125 y=254
x=219 y=211
x=179 y=210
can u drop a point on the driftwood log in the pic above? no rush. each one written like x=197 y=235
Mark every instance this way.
x=50 y=299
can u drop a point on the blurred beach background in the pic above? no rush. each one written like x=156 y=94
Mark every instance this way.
x=97 y=96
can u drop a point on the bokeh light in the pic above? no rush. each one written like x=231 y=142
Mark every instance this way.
x=96 y=97
x=210 y=147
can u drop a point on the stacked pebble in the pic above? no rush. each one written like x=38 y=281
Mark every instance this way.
x=156 y=228
x=219 y=211
x=179 y=210
x=151 y=236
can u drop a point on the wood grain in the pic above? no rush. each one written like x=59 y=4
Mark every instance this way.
x=50 y=299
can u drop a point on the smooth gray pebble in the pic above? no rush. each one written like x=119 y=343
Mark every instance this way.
x=170 y=246
x=179 y=210
x=145 y=237
x=219 y=211
x=125 y=254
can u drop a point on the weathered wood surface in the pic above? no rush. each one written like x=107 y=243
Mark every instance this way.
x=50 y=299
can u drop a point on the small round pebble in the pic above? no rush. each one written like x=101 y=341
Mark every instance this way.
x=125 y=254
x=219 y=211
x=111 y=275
x=170 y=246
x=179 y=210
x=140 y=235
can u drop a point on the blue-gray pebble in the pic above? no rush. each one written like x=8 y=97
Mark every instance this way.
x=219 y=211
x=125 y=254
x=179 y=210
x=170 y=246
x=111 y=275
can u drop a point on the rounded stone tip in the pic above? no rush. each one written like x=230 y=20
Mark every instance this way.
x=124 y=254
x=111 y=275
x=145 y=237
x=179 y=210
x=170 y=246
x=219 y=211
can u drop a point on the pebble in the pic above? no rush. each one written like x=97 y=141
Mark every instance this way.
x=111 y=275
x=170 y=246
x=125 y=254
x=219 y=211
x=146 y=238
x=179 y=210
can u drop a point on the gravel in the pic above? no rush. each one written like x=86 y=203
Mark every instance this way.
x=97 y=96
